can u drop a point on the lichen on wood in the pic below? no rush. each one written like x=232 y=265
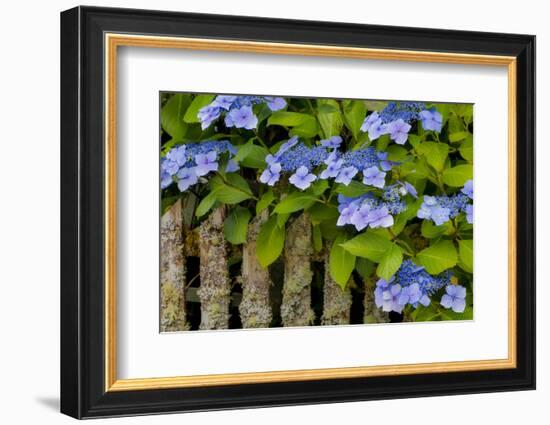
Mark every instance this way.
x=296 y=306
x=255 y=307
x=372 y=314
x=214 y=291
x=172 y=271
x=336 y=301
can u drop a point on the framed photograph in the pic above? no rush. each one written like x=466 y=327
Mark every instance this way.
x=261 y=212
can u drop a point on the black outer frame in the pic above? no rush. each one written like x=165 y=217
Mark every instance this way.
x=82 y=207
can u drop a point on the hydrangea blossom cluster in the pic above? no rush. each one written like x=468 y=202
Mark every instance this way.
x=302 y=160
x=440 y=209
x=410 y=285
x=185 y=164
x=237 y=110
x=367 y=211
x=396 y=119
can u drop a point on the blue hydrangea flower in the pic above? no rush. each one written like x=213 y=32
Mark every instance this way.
x=377 y=129
x=201 y=157
x=235 y=115
x=302 y=156
x=399 y=131
x=271 y=174
x=333 y=142
x=367 y=210
x=206 y=163
x=454 y=298
x=369 y=121
x=169 y=167
x=412 y=285
x=177 y=155
x=207 y=115
x=346 y=175
x=302 y=178
x=441 y=209
x=406 y=111
x=224 y=102
x=361 y=158
x=431 y=120
x=386 y=296
x=407 y=188
x=187 y=177
x=468 y=189
x=385 y=164
x=372 y=176
x=275 y=103
x=165 y=180
x=241 y=118
x=332 y=170
x=469 y=210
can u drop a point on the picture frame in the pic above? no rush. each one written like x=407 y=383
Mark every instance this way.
x=90 y=40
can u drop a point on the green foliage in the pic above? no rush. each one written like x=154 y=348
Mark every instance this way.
x=341 y=262
x=231 y=190
x=303 y=125
x=270 y=242
x=236 y=225
x=354 y=115
x=197 y=103
x=368 y=245
x=466 y=255
x=438 y=257
x=390 y=262
x=457 y=176
x=171 y=116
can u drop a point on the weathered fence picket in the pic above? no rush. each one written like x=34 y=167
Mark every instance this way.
x=172 y=271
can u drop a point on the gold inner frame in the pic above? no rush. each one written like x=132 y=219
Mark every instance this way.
x=113 y=41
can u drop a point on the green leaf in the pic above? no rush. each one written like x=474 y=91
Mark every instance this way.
x=265 y=201
x=236 y=225
x=295 y=202
x=233 y=190
x=368 y=245
x=457 y=176
x=354 y=115
x=429 y=230
x=390 y=262
x=302 y=124
x=402 y=218
x=255 y=158
x=466 y=255
x=197 y=103
x=329 y=117
x=364 y=267
x=243 y=151
x=397 y=153
x=270 y=242
x=321 y=212
x=466 y=149
x=317 y=238
x=438 y=257
x=341 y=263
x=171 y=116
x=205 y=204
x=435 y=154
x=353 y=189
x=458 y=136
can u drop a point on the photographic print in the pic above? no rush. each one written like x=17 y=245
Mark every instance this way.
x=281 y=211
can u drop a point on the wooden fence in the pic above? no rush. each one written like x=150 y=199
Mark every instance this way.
x=255 y=307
